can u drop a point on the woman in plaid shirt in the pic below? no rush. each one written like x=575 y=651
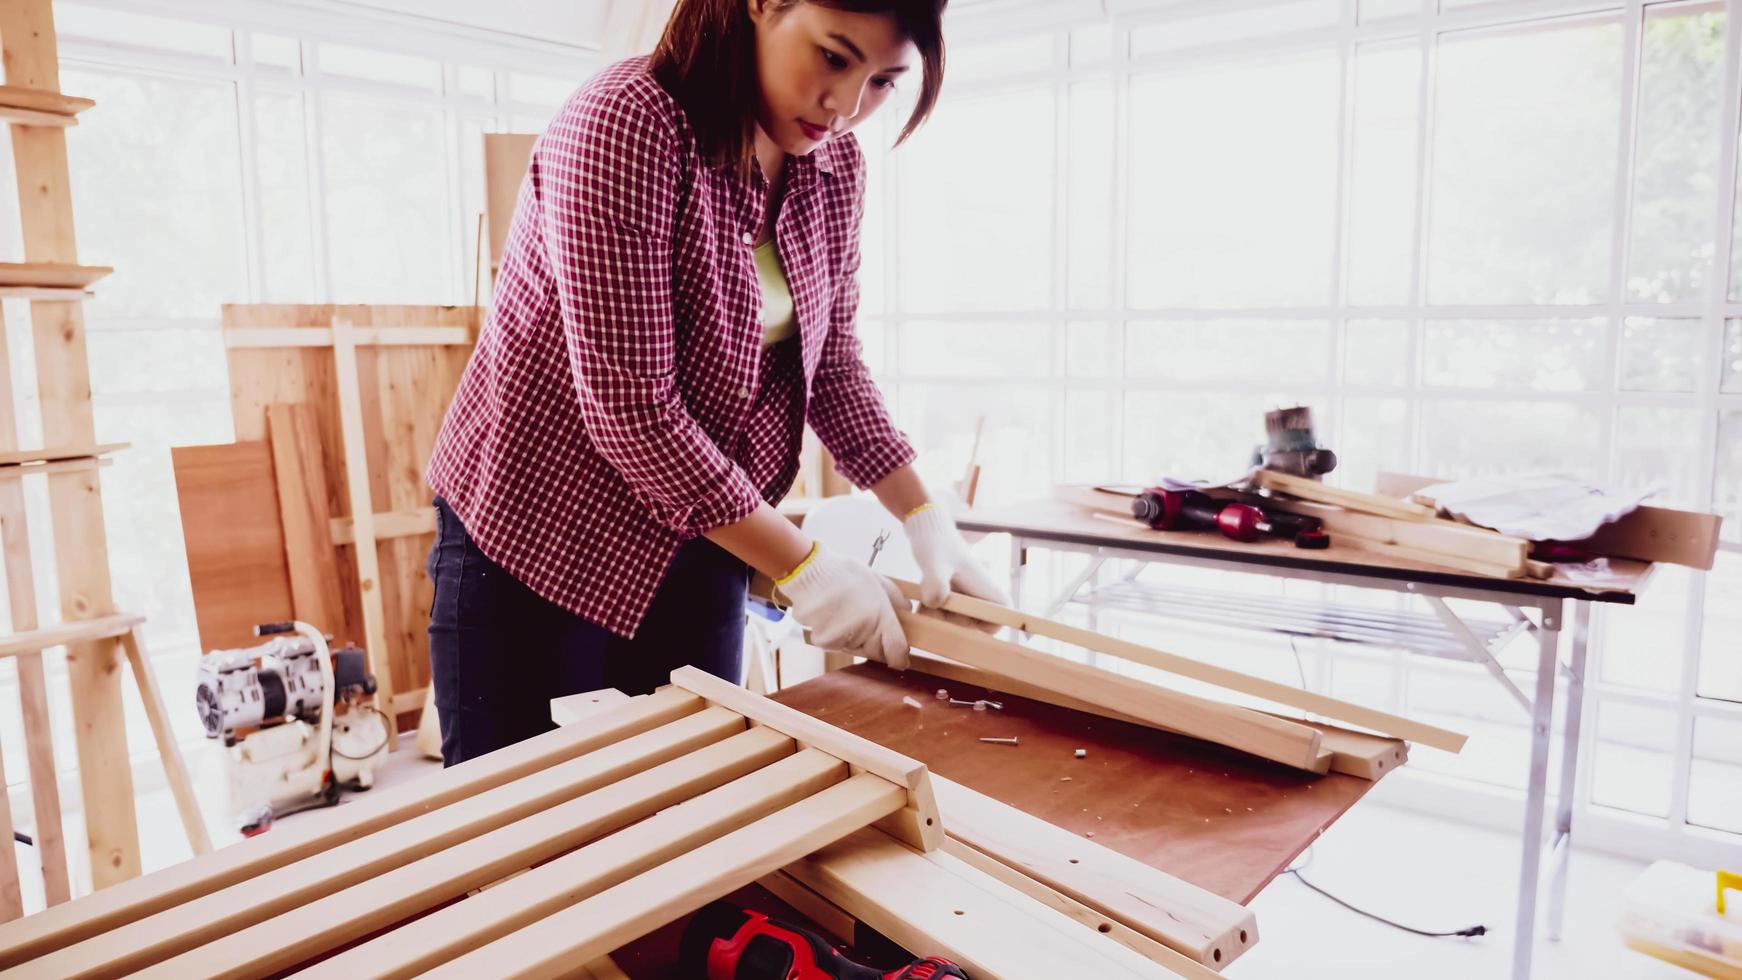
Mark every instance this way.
x=676 y=301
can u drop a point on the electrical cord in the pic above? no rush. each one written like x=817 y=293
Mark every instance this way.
x=1467 y=933
x=371 y=752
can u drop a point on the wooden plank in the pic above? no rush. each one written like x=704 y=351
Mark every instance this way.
x=19 y=457
x=1238 y=728
x=1233 y=680
x=1206 y=927
x=1441 y=537
x=1680 y=537
x=43 y=100
x=458 y=929
x=51 y=275
x=437 y=877
x=824 y=914
x=1317 y=492
x=320 y=831
x=1180 y=964
x=579 y=707
x=254 y=338
x=506 y=157
x=11 y=898
x=33 y=117
x=12 y=474
x=1427 y=559
x=362 y=512
x=32 y=680
x=299 y=473
x=44 y=293
x=602 y=922
x=27 y=47
x=605 y=968
x=921 y=829
x=388 y=524
x=89 y=631
x=993 y=931
x=234 y=540
x=1358 y=753
x=168 y=750
x=210 y=917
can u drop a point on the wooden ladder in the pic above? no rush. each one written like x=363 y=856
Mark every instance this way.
x=96 y=635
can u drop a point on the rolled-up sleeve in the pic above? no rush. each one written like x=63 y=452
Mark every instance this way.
x=607 y=175
x=846 y=409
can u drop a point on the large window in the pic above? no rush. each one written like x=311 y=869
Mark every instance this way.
x=1474 y=243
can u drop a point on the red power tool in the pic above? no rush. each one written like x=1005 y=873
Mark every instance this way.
x=1166 y=510
x=726 y=942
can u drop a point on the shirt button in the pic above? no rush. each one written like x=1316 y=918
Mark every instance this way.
x=749 y=239
x=743 y=392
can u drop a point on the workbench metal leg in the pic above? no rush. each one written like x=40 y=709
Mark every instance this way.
x=1018 y=557
x=1561 y=854
x=1535 y=802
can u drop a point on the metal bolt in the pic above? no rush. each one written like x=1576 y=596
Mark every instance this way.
x=964 y=704
x=1000 y=741
x=983 y=705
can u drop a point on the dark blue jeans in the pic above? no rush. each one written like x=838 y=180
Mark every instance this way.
x=499 y=652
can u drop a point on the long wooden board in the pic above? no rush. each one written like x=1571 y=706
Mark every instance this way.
x=234 y=540
x=1239 y=728
x=1380 y=721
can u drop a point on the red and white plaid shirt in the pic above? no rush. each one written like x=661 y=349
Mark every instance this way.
x=619 y=401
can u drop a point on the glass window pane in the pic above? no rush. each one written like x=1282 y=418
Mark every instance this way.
x=1715 y=782
x=475 y=83
x=1372 y=10
x=974 y=350
x=1089 y=207
x=540 y=89
x=1720 y=667
x=275 y=51
x=873 y=344
x=1088 y=436
x=1228 y=350
x=140 y=30
x=157 y=193
x=1237 y=219
x=1213 y=28
x=1660 y=447
x=388 y=232
x=1532 y=355
x=1486 y=438
x=1727 y=481
x=1216 y=445
x=1088 y=350
x=873 y=227
x=1661 y=354
x=287 y=229
x=975 y=237
x=1642 y=646
x=1015 y=447
x=1732 y=377
x=1382 y=185
x=1027 y=54
x=1378 y=436
x=1376 y=352
x=1524 y=156
x=1631 y=766
x=1466 y=698
x=1092 y=45
x=1681 y=74
x=380 y=66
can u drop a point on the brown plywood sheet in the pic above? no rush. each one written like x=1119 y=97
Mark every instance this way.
x=235 y=544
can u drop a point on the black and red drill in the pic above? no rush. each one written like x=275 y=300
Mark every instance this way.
x=1168 y=510
x=726 y=942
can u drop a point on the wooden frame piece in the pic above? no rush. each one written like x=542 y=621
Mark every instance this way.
x=918 y=824
x=299 y=471
x=388 y=524
x=211 y=917
x=598 y=924
x=43 y=100
x=1249 y=731
x=453 y=931
x=1207 y=928
x=1437 y=536
x=255 y=338
x=51 y=275
x=175 y=769
x=1313 y=490
x=66 y=634
x=945 y=907
x=1233 y=680
x=316 y=832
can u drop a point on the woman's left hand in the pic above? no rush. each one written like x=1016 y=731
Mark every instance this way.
x=945 y=563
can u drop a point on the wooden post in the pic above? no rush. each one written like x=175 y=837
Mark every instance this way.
x=174 y=768
x=75 y=499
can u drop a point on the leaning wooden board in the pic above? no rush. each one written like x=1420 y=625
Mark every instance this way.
x=405 y=390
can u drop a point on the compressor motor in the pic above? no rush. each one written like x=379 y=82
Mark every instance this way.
x=244 y=690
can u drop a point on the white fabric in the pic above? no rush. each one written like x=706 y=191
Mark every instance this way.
x=1537 y=506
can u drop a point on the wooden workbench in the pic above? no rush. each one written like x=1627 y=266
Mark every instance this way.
x=1221 y=820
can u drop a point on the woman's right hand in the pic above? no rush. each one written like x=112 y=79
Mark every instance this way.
x=847 y=607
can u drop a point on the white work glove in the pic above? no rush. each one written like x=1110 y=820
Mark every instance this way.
x=945 y=563
x=847 y=607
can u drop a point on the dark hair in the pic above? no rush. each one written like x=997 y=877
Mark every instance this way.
x=707 y=60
